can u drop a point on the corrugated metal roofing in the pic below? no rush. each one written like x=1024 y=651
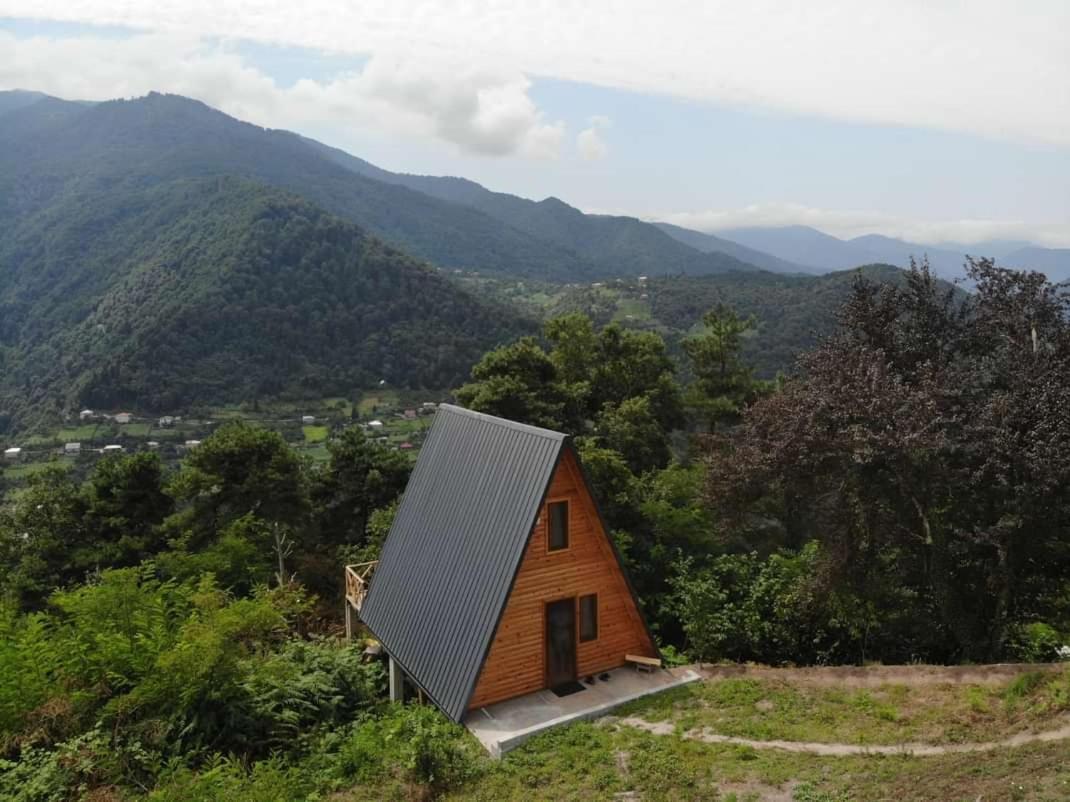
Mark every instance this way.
x=449 y=561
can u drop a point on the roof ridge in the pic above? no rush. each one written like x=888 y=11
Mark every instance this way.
x=505 y=423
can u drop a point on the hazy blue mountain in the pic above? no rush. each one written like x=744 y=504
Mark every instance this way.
x=945 y=263
x=17 y=98
x=809 y=246
x=996 y=248
x=802 y=245
x=1053 y=262
x=708 y=243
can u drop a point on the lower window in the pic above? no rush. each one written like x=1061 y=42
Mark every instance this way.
x=588 y=617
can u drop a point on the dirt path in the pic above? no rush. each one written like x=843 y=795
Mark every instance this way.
x=832 y=749
x=872 y=676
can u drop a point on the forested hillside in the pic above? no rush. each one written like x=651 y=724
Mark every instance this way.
x=615 y=245
x=56 y=148
x=791 y=312
x=162 y=295
x=52 y=145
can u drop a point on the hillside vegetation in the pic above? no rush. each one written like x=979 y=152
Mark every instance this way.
x=52 y=146
x=213 y=290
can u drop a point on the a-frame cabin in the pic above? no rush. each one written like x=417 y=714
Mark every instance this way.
x=498 y=577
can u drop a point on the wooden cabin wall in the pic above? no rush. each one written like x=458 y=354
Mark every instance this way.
x=516 y=663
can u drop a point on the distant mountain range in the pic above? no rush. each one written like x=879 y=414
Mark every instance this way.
x=822 y=252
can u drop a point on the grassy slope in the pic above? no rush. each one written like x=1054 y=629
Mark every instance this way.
x=606 y=760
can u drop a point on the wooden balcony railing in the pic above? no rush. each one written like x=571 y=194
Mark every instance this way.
x=358 y=579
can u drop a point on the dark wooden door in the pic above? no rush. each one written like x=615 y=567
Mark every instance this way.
x=560 y=642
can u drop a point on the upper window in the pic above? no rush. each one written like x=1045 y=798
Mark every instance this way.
x=558 y=537
x=588 y=617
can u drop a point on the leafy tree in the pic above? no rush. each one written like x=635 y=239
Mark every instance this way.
x=632 y=430
x=518 y=382
x=632 y=364
x=241 y=469
x=723 y=383
x=615 y=384
x=361 y=476
x=928 y=440
x=37 y=534
x=125 y=504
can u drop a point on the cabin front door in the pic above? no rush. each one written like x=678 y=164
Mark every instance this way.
x=560 y=642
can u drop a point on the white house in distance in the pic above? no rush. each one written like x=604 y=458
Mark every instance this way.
x=112 y=449
x=85 y=414
x=308 y=419
x=375 y=424
x=166 y=421
x=72 y=448
x=14 y=453
x=124 y=417
x=192 y=443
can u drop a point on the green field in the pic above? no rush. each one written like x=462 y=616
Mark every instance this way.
x=377 y=401
x=315 y=434
x=27 y=469
x=77 y=434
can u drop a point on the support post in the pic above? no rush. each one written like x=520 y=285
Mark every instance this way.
x=397 y=682
x=349 y=621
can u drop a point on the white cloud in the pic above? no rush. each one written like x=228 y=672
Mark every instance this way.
x=988 y=67
x=847 y=224
x=479 y=110
x=589 y=141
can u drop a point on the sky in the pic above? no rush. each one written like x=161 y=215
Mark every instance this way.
x=931 y=120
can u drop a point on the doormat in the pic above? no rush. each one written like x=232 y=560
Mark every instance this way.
x=567 y=688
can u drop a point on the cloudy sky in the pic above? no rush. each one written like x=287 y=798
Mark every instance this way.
x=928 y=119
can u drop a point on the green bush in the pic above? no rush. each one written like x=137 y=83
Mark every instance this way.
x=227 y=780
x=1036 y=642
x=771 y=610
x=418 y=741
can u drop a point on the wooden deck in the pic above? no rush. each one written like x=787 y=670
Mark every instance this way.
x=358 y=581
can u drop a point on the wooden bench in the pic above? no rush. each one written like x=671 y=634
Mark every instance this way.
x=641 y=663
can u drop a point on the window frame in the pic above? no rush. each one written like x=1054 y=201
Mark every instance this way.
x=581 y=619
x=550 y=523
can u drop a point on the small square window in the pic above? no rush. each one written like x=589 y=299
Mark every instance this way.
x=588 y=617
x=558 y=536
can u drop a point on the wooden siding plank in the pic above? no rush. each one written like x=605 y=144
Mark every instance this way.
x=516 y=663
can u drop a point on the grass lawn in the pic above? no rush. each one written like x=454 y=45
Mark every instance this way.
x=135 y=429
x=632 y=309
x=381 y=399
x=26 y=469
x=78 y=434
x=608 y=760
x=891 y=714
x=315 y=434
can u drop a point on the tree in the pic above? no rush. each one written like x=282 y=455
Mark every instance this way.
x=239 y=470
x=519 y=382
x=37 y=533
x=723 y=384
x=360 y=477
x=927 y=447
x=631 y=429
x=125 y=504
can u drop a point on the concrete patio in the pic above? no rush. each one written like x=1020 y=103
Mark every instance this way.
x=508 y=724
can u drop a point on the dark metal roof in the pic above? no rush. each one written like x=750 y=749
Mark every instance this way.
x=449 y=561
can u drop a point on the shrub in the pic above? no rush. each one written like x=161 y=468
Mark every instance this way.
x=1036 y=642
x=428 y=749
